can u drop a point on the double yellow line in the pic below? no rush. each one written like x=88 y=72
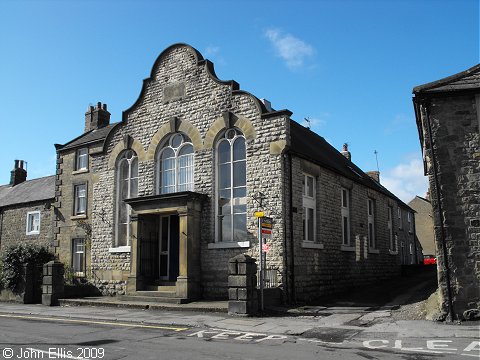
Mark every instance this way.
x=78 y=321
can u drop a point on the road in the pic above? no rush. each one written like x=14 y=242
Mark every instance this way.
x=49 y=337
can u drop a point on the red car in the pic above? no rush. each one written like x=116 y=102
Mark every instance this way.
x=429 y=260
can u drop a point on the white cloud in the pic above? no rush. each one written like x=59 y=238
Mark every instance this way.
x=213 y=52
x=291 y=49
x=316 y=122
x=406 y=180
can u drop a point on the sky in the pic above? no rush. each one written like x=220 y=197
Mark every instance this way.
x=347 y=66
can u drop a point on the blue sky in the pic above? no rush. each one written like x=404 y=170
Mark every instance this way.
x=348 y=66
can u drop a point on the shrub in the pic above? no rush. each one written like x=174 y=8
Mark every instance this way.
x=16 y=256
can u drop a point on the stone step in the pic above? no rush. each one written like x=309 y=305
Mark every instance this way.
x=147 y=293
x=161 y=288
x=152 y=299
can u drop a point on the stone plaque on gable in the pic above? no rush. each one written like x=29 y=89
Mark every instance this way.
x=173 y=92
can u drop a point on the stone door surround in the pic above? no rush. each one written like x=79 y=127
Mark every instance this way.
x=187 y=205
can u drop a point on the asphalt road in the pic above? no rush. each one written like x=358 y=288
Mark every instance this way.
x=36 y=337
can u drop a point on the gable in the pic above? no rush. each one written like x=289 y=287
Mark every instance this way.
x=465 y=80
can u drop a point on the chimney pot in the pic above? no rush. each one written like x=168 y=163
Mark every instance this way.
x=18 y=174
x=97 y=117
x=345 y=152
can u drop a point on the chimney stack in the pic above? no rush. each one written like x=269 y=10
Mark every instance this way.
x=268 y=104
x=345 y=152
x=18 y=174
x=375 y=175
x=96 y=117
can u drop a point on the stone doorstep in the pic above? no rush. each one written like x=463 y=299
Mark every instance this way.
x=150 y=304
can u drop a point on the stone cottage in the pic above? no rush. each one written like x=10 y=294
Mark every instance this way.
x=160 y=201
x=25 y=209
x=448 y=118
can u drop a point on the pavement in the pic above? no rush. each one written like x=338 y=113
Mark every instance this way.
x=347 y=320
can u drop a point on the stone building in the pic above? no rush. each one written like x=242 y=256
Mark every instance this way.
x=25 y=209
x=160 y=201
x=448 y=117
x=424 y=223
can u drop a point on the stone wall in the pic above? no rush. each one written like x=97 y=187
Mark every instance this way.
x=13 y=225
x=69 y=226
x=328 y=267
x=198 y=102
x=455 y=132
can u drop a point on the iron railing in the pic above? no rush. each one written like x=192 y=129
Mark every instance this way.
x=270 y=278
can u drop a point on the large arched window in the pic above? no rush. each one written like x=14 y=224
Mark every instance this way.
x=231 y=175
x=127 y=187
x=175 y=165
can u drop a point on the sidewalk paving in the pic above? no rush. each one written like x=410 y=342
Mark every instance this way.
x=351 y=321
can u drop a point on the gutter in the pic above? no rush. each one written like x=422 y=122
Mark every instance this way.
x=450 y=314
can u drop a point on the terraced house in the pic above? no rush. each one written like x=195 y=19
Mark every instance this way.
x=26 y=212
x=161 y=200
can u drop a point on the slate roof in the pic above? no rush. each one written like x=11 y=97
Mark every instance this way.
x=89 y=137
x=28 y=191
x=311 y=146
x=465 y=80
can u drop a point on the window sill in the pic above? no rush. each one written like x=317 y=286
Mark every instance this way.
x=229 y=245
x=348 y=248
x=373 y=251
x=393 y=252
x=311 y=245
x=81 y=171
x=120 y=249
x=33 y=233
x=78 y=217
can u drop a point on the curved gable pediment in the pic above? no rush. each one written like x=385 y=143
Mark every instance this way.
x=169 y=74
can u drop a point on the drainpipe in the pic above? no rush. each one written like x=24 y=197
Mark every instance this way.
x=293 y=299
x=286 y=288
x=450 y=314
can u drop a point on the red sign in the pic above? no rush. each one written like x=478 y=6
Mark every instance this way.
x=265 y=248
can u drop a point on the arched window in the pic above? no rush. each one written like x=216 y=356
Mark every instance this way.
x=127 y=187
x=231 y=175
x=175 y=165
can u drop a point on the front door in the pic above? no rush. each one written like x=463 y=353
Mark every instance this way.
x=168 y=248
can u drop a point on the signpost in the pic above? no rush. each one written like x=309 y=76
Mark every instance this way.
x=265 y=225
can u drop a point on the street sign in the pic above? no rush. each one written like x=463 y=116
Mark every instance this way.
x=266 y=224
x=266 y=248
x=259 y=214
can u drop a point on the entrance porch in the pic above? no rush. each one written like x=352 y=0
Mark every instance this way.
x=165 y=245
